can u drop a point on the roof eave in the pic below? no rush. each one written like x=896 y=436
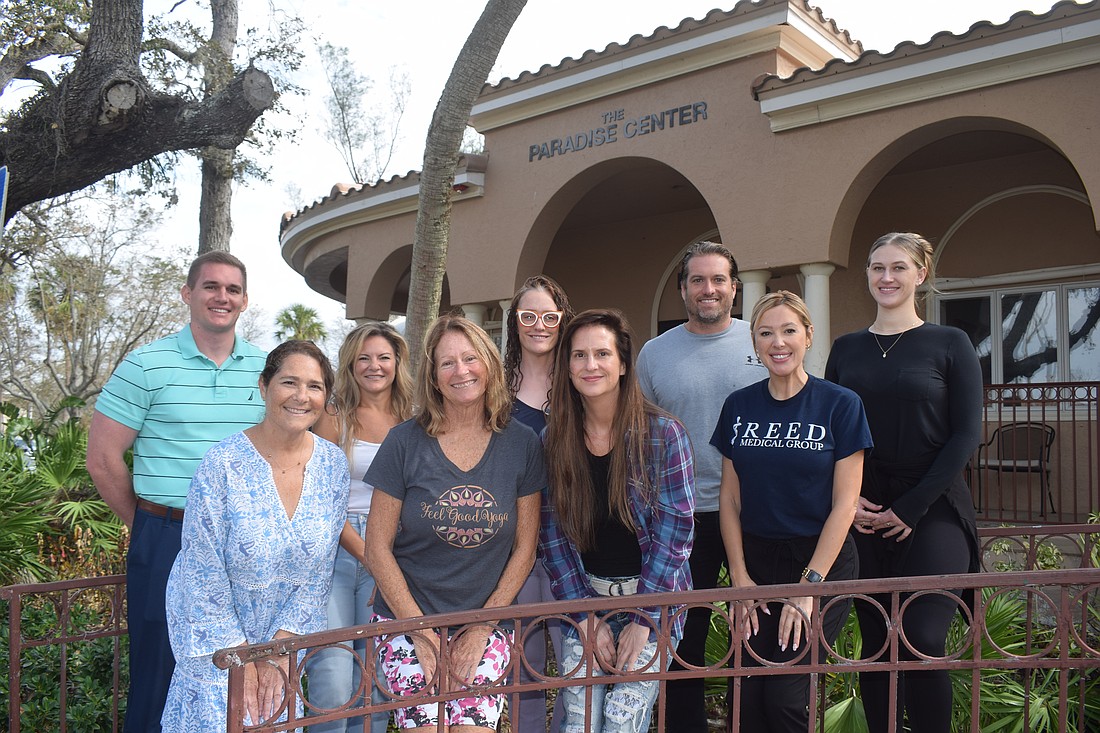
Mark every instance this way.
x=719 y=39
x=1025 y=46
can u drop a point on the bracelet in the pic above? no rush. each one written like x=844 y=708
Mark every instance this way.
x=273 y=663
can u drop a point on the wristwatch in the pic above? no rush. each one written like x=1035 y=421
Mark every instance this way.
x=812 y=575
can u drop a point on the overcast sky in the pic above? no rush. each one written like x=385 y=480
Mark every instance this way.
x=423 y=37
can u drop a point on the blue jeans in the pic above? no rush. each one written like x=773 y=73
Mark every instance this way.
x=621 y=708
x=333 y=674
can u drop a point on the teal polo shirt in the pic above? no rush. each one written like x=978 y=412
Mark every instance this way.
x=181 y=403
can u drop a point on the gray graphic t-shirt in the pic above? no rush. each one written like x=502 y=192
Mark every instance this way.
x=457 y=527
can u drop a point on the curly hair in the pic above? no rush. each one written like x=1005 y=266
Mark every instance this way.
x=513 y=354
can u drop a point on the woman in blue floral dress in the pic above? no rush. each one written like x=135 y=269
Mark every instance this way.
x=264 y=513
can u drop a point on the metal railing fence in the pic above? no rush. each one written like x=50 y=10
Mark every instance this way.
x=1057 y=633
x=1040 y=455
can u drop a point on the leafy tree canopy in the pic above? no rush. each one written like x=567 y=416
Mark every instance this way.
x=78 y=292
x=105 y=91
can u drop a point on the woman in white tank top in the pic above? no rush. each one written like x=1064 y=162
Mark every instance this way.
x=373 y=393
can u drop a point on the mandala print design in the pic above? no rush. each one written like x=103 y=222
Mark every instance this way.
x=470 y=507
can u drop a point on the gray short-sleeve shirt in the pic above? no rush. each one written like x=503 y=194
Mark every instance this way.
x=457 y=527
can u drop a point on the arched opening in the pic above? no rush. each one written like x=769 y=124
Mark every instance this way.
x=1018 y=257
x=611 y=234
x=388 y=293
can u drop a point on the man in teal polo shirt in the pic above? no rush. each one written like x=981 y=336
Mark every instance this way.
x=170 y=400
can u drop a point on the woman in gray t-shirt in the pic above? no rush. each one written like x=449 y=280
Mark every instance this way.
x=462 y=481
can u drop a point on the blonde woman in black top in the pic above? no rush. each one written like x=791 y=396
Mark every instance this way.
x=921 y=386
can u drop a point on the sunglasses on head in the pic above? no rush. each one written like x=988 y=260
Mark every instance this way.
x=550 y=319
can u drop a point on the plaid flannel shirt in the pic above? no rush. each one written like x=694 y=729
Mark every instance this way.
x=665 y=529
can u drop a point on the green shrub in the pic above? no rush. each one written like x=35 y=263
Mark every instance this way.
x=55 y=524
x=90 y=672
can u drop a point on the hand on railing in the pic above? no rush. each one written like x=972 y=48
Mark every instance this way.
x=467 y=652
x=750 y=625
x=265 y=687
x=426 y=644
x=792 y=620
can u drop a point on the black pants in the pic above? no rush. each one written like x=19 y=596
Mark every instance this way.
x=938 y=546
x=685 y=697
x=780 y=703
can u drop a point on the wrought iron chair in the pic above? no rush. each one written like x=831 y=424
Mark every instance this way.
x=1021 y=447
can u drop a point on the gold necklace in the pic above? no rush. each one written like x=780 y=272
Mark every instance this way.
x=886 y=350
x=282 y=471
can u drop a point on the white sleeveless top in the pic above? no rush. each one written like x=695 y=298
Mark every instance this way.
x=362 y=453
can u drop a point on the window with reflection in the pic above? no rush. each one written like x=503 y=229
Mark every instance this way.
x=1030 y=335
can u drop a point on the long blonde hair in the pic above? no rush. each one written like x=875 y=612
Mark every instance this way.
x=498 y=404
x=346 y=396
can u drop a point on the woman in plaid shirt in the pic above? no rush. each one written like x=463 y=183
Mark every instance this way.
x=617 y=518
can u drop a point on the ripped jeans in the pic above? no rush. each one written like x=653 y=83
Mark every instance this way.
x=620 y=708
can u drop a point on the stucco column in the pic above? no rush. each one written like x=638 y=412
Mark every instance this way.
x=754 y=286
x=476 y=312
x=504 y=306
x=816 y=294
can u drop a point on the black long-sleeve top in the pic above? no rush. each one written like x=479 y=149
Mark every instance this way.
x=924 y=406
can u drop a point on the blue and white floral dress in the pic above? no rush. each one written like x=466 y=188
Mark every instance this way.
x=246 y=569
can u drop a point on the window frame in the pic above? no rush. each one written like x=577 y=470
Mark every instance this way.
x=994 y=293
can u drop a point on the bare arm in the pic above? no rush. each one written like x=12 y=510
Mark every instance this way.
x=523 y=552
x=385 y=512
x=729 y=521
x=328 y=427
x=470 y=646
x=847 y=480
x=355 y=545
x=108 y=441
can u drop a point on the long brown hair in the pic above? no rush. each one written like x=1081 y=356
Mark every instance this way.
x=571 y=489
x=498 y=406
x=513 y=354
x=346 y=395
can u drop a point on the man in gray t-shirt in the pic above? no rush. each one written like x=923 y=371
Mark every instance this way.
x=689 y=371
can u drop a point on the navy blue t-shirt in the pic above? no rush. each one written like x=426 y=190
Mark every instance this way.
x=529 y=416
x=784 y=453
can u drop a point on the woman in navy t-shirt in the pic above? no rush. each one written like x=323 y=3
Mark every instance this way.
x=793 y=449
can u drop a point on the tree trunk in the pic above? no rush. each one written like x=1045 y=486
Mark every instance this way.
x=216 y=204
x=441 y=153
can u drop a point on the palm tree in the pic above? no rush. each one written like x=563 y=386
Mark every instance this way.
x=299 y=322
x=441 y=153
